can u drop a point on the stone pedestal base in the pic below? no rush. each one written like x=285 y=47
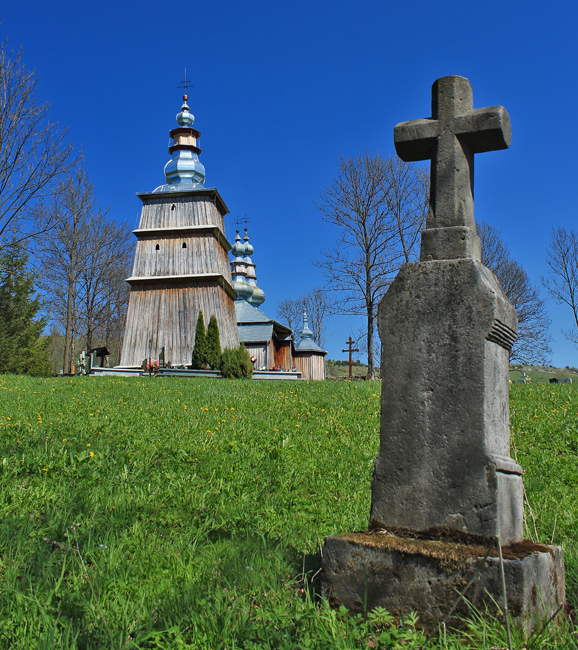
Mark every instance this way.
x=401 y=574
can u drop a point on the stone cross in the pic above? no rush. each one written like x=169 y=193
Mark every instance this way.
x=450 y=138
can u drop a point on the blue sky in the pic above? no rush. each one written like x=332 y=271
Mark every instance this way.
x=281 y=90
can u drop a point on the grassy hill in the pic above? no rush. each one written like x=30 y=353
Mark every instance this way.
x=340 y=370
x=174 y=513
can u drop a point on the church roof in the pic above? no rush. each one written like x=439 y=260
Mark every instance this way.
x=255 y=333
x=248 y=314
x=308 y=345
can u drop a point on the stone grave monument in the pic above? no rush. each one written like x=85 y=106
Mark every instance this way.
x=444 y=486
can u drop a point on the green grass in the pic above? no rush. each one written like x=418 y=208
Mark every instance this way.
x=174 y=513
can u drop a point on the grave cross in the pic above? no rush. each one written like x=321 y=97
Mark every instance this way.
x=450 y=138
x=351 y=350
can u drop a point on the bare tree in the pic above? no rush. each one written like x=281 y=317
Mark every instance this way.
x=290 y=312
x=378 y=205
x=78 y=258
x=107 y=253
x=318 y=307
x=33 y=151
x=407 y=199
x=116 y=295
x=562 y=279
x=532 y=344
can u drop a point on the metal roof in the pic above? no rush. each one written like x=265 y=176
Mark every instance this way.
x=246 y=313
x=308 y=345
x=255 y=333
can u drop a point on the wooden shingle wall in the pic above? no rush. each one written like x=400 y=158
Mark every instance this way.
x=167 y=315
x=258 y=350
x=311 y=366
x=164 y=314
x=201 y=252
x=188 y=211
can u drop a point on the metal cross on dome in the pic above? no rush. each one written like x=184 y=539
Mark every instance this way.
x=450 y=138
x=185 y=84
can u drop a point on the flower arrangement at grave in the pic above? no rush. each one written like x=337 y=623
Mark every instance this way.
x=152 y=365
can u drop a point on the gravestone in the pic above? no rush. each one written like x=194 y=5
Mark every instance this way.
x=444 y=485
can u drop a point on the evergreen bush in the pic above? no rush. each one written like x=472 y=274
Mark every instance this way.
x=200 y=356
x=213 y=344
x=236 y=363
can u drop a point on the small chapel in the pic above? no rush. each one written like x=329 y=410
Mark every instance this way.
x=182 y=267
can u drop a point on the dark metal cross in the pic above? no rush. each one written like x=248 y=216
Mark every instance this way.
x=244 y=221
x=450 y=138
x=185 y=84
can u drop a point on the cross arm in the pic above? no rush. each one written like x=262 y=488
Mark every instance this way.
x=416 y=139
x=485 y=129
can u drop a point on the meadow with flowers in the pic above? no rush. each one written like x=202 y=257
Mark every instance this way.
x=175 y=513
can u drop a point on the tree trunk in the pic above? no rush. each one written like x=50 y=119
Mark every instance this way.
x=370 y=362
x=66 y=366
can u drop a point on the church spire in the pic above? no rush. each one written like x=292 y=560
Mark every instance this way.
x=305 y=332
x=184 y=171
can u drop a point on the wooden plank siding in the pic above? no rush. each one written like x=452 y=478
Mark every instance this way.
x=167 y=316
x=188 y=211
x=258 y=350
x=311 y=366
x=283 y=355
x=201 y=252
x=164 y=314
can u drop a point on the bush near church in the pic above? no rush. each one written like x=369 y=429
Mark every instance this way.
x=213 y=343
x=200 y=350
x=236 y=363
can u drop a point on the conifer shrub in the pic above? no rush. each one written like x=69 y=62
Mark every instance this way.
x=213 y=344
x=23 y=347
x=236 y=363
x=200 y=351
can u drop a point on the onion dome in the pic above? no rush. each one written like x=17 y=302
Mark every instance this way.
x=305 y=332
x=243 y=271
x=258 y=297
x=243 y=289
x=184 y=171
x=239 y=270
x=248 y=247
x=238 y=248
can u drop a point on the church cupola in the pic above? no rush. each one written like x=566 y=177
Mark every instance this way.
x=239 y=270
x=243 y=272
x=258 y=297
x=305 y=332
x=184 y=171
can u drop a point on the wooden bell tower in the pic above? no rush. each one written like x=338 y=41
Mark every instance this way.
x=181 y=263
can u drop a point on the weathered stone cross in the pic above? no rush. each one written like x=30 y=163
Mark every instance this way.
x=450 y=138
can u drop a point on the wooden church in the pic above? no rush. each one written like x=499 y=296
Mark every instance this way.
x=181 y=263
x=181 y=267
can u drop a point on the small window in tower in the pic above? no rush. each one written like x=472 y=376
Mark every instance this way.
x=173 y=206
x=157 y=247
x=184 y=244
